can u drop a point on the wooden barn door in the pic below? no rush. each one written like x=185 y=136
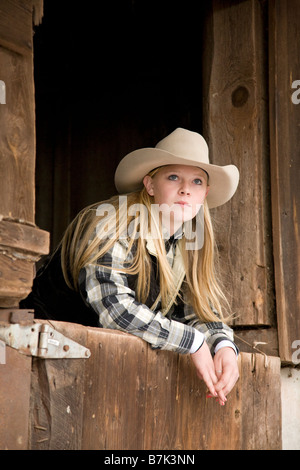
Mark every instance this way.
x=21 y=242
x=82 y=403
x=128 y=397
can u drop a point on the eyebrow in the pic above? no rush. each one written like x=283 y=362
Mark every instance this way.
x=195 y=174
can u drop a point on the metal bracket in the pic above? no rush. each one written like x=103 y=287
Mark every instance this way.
x=41 y=340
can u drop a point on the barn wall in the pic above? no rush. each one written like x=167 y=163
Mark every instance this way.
x=21 y=242
x=84 y=127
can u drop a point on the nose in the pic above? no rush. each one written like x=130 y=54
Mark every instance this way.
x=184 y=189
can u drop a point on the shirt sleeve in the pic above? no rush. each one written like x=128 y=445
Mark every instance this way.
x=217 y=334
x=105 y=288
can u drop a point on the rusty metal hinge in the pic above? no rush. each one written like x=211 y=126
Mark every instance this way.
x=41 y=340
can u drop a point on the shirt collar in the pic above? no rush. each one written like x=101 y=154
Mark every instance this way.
x=169 y=241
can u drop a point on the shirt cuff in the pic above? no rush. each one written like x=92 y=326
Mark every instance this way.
x=225 y=343
x=198 y=341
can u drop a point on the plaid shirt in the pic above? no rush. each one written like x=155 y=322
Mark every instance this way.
x=110 y=293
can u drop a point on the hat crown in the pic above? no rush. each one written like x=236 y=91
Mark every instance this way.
x=186 y=144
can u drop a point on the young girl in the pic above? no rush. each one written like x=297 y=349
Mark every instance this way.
x=143 y=262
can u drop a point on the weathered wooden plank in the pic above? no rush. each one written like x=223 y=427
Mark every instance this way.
x=20 y=237
x=263 y=340
x=161 y=411
x=15 y=377
x=235 y=119
x=203 y=424
x=114 y=405
x=17 y=138
x=284 y=52
x=58 y=403
x=16 y=35
x=129 y=397
x=16 y=277
x=260 y=402
x=57 y=397
x=251 y=418
x=20 y=245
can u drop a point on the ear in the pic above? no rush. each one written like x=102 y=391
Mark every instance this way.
x=207 y=190
x=148 y=185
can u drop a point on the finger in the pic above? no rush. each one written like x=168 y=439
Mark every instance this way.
x=221 y=395
x=222 y=389
x=210 y=380
x=226 y=383
x=219 y=371
x=230 y=384
x=219 y=400
x=199 y=375
x=223 y=386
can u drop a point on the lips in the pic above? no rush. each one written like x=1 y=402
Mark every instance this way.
x=182 y=203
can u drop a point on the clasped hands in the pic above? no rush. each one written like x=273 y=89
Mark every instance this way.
x=220 y=373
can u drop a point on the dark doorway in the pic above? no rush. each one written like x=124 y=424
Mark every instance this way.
x=110 y=77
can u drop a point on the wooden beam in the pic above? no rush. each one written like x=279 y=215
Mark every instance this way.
x=26 y=238
x=17 y=138
x=15 y=377
x=21 y=243
x=16 y=26
x=235 y=118
x=260 y=397
x=284 y=70
x=57 y=398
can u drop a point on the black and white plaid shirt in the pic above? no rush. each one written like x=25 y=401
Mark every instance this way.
x=110 y=293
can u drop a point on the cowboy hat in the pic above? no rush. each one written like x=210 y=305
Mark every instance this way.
x=181 y=147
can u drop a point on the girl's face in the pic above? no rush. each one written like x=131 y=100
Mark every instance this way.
x=179 y=190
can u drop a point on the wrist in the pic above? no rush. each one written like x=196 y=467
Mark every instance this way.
x=198 y=342
x=226 y=344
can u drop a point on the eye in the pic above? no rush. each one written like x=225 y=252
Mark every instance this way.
x=173 y=177
x=198 y=181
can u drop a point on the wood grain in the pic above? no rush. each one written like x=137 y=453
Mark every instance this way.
x=57 y=398
x=25 y=238
x=21 y=243
x=114 y=405
x=127 y=396
x=17 y=144
x=284 y=52
x=15 y=377
x=235 y=116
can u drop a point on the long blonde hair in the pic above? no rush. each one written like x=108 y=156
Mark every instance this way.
x=87 y=239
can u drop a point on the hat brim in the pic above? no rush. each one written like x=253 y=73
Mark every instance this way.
x=223 y=180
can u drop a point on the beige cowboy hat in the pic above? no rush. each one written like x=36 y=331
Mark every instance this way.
x=181 y=147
